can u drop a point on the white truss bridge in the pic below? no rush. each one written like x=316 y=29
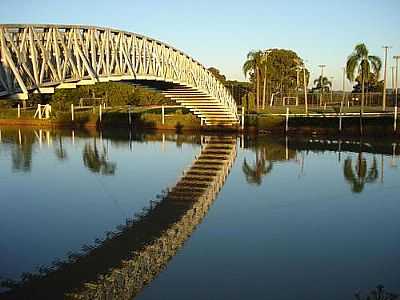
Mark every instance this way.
x=42 y=58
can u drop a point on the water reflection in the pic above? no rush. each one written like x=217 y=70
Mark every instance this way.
x=361 y=174
x=120 y=265
x=266 y=152
x=378 y=294
x=95 y=159
x=254 y=173
x=357 y=172
x=60 y=151
x=22 y=152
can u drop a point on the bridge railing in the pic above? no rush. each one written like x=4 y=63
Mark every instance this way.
x=36 y=57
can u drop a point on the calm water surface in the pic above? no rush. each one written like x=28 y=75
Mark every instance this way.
x=90 y=214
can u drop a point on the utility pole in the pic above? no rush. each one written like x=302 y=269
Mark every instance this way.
x=320 y=82
x=397 y=58
x=266 y=53
x=332 y=88
x=393 y=85
x=305 y=87
x=344 y=83
x=386 y=48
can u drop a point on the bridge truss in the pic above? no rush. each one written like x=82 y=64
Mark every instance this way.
x=42 y=58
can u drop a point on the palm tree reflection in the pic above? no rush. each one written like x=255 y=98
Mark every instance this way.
x=378 y=294
x=361 y=174
x=266 y=153
x=60 y=151
x=22 y=153
x=96 y=161
x=254 y=173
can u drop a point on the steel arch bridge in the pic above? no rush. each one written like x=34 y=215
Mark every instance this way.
x=42 y=58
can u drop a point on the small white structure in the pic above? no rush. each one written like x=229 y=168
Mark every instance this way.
x=43 y=111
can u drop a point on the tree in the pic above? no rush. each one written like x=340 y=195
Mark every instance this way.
x=281 y=73
x=252 y=67
x=361 y=63
x=322 y=84
x=372 y=84
x=217 y=74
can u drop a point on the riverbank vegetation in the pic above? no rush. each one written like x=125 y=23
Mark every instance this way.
x=279 y=77
x=278 y=80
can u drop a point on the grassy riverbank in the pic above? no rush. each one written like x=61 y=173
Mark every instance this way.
x=272 y=120
x=120 y=117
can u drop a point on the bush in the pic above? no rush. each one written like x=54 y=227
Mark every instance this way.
x=112 y=93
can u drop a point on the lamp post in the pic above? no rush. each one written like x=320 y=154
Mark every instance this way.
x=386 y=48
x=393 y=68
x=397 y=58
x=305 y=87
x=344 y=84
x=266 y=53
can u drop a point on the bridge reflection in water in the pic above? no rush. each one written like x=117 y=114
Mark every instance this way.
x=121 y=265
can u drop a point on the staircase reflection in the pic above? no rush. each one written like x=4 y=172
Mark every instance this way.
x=119 y=266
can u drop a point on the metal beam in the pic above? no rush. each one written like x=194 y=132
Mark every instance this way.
x=34 y=57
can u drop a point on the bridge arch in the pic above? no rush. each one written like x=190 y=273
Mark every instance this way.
x=42 y=58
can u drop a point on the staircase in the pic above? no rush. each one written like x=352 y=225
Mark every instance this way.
x=208 y=172
x=210 y=110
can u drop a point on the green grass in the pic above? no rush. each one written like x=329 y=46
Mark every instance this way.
x=12 y=113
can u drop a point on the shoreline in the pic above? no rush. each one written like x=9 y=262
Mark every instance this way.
x=378 y=128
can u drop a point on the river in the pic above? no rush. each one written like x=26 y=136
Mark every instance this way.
x=117 y=214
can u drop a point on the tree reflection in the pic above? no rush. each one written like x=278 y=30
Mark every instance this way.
x=96 y=161
x=60 y=151
x=255 y=172
x=266 y=153
x=361 y=174
x=378 y=294
x=22 y=153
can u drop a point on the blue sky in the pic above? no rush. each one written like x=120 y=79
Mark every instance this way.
x=220 y=33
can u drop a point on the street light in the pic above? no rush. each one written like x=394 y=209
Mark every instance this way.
x=386 y=48
x=266 y=53
x=305 y=86
x=397 y=58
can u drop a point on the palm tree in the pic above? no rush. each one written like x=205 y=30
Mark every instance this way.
x=322 y=84
x=361 y=175
x=253 y=64
x=362 y=63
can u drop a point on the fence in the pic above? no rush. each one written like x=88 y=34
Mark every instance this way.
x=317 y=99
